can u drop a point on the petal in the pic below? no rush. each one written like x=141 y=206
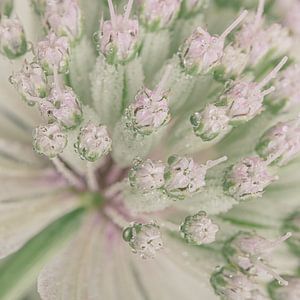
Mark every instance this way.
x=21 y=219
x=98 y=264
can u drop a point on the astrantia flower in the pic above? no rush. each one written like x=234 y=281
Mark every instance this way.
x=155 y=154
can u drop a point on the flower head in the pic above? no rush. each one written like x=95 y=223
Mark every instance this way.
x=119 y=37
x=64 y=18
x=93 y=142
x=199 y=229
x=157 y=14
x=144 y=239
x=147 y=175
x=53 y=53
x=30 y=82
x=49 y=140
x=12 y=37
x=247 y=251
x=248 y=178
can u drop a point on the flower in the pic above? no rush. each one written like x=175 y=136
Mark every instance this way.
x=151 y=158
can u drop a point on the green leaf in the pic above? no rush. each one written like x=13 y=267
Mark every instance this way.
x=19 y=271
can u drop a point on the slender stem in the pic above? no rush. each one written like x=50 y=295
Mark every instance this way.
x=67 y=173
x=91 y=177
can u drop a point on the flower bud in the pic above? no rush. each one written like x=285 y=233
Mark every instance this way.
x=12 y=37
x=53 y=53
x=30 y=82
x=247 y=251
x=64 y=18
x=202 y=51
x=184 y=177
x=144 y=239
x=63 y=107
x=147 y=175
x=199 y=229
x=210 y=122
x=287 y=292
x=157 y=14
x=93 y=142
x=231 y=284
x=282 y=141
x=248 y=178
x=49 y=140
x=149 y=112
x=119 y=37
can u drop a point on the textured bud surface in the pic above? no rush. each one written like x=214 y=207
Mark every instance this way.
x=49 y=140
x=199 y=229
x=144 y=239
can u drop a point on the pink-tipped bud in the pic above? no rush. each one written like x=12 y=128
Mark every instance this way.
x=12 y=37
x=64 y=18
x=53 y=53
x=49 y=140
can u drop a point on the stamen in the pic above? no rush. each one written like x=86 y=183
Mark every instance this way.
x=273 y=73
x=128 y=10
x=235 y=23
x=259 y=13
x=113 y=17
x=211 y=163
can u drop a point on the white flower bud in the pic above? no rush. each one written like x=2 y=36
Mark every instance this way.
x=247 y=251
x=53 y=53
x=64 y=18
x=184 y=177
x=202 y=51
x=244 y=99
x=12 y=37
x=149 y=112
x=63 y=107
x=30 y=82
x=157 y=14
x=248 y=178
x=231 y=284
x=282 y=141
x=93 y=142
x=147 y=175
x=287 y=92
x=144 y=239
x=119 y=37
x=287 y=292
x=199 y=229
x=49 y=140
x=210 y=122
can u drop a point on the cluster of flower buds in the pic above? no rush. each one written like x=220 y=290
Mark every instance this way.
x=149 y=112
x=144 y=239
x=49 y=140
x=286 y=292
x=119 y=37
x=248 y=178
x=158 y=14
x=64 y=18
x=182 y=177
x=247 y=252
x=31 y=83
x=241 y=102
x=12 y=37
x=260 y=41
x=202 y=51
x=93 y=142
x=199 y=229
x=231 y=284
x=147 y=176
x=281 y=141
